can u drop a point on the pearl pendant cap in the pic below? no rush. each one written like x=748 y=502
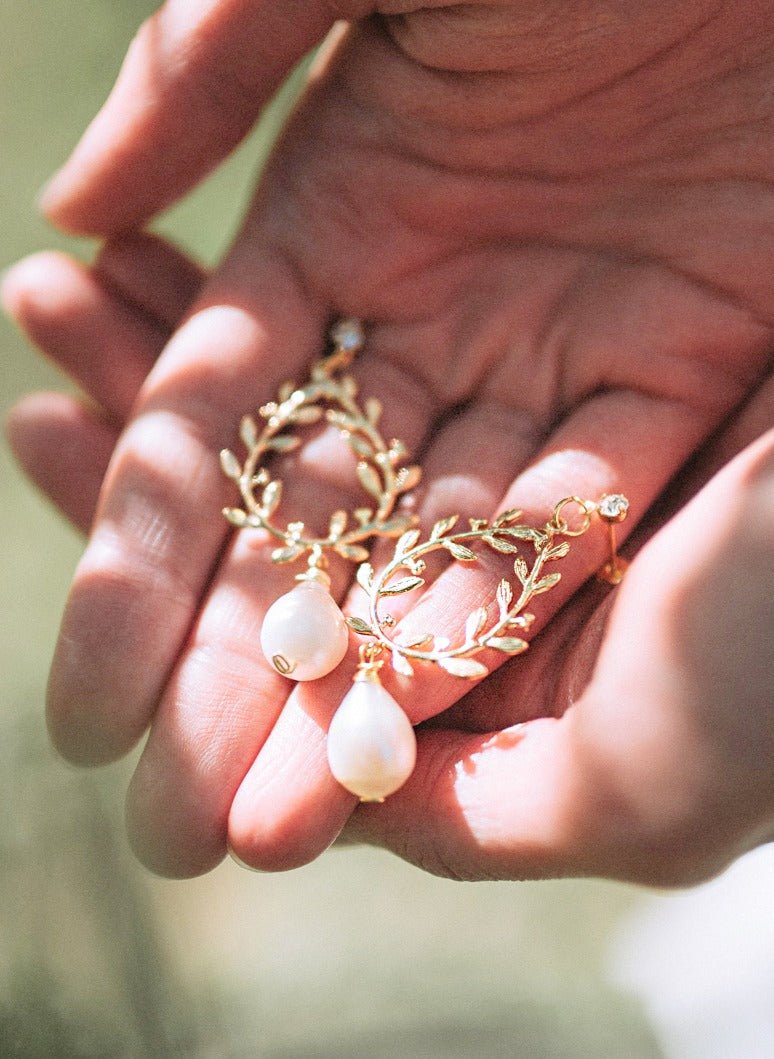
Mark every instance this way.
x=372 y=748
x=304 y=634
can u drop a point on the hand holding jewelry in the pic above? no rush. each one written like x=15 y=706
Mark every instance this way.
x=371 y=744
x=304 y=634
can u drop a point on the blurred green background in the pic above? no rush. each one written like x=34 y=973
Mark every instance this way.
x=356 y=955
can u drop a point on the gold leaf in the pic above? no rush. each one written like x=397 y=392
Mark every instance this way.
x=507 y=517
x=406 y=542
x=511 y=645
x=525 y=533
x=504 y=595
x=405 y=584
x=248 y=431
x=230 y=464
x=286 y=555
x=339 y=419
x=360 y=446
x=499 y=545
x=271 y=496
x=408 y=477
x=236 y=516
x=348 y=386
x=401 y=664
x=559 y=551
x=459 y=551
x=416 y=641
x=373 y=410
x=356 y=552
x=463 y=667
x=285 y=390
x=306 y=415
x=362 y=514
x=359 y=626
x=370 y=480
x=545 y=583
x=283 y=443
x=365 y=576
x=475 y=623
x=521 y=569
x=396 y=525
x=443 y=525
x=338 y=523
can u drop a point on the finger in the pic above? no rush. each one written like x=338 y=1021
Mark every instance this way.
x=81 y=318
x=576 y=795
x=104 y=326
x=151 y=274
x=558 y=667
x=749 y=422
x=64 y=448
x=595 y=451
x=100 y=341
x=193 y=82
x=746 y=423
x=275 y=824
x=158 y=533
x=492 y=806
x=224 y=697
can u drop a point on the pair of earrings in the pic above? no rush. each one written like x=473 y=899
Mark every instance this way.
x=371 y=743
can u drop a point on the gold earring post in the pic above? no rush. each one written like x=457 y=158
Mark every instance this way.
x=613 y=508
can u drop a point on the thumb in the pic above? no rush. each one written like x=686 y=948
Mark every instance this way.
x=193 y=82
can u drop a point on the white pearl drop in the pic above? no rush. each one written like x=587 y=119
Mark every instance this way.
x=304 y=634
x=372 y=748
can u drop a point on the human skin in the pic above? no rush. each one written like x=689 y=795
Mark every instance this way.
x=649 y=752
x=557 y=222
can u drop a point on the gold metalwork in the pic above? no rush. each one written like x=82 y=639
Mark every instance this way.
x=369 y=663
x=612 y=510
x=506 y=535
x=282 y=665
x=380 y=469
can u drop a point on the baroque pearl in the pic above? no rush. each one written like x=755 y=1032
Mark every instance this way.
x=304 y=634
x=372 y=748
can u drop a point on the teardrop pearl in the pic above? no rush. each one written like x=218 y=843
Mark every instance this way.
x=304 y=634
x=372 y=748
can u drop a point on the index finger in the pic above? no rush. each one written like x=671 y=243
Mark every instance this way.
x=193 y=82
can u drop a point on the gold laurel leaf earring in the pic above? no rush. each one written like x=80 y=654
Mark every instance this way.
x=371 y=743
x=304 y=634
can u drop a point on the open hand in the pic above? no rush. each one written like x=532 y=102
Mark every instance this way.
x=563 y=266
x=660 y=772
